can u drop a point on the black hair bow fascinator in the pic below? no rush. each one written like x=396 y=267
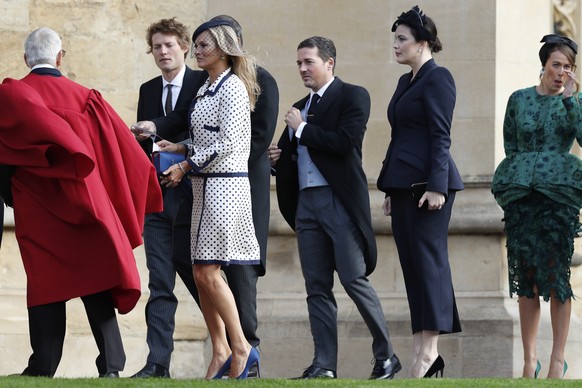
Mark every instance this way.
x=552 y=40
x=414 y=19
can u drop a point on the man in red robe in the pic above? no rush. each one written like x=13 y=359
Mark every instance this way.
x=81 y=186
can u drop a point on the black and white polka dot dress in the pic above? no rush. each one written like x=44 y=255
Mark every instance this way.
x=220 y=128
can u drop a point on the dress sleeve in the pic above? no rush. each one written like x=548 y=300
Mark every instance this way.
x=439 y=97
x=572 y=105
x=233 y=121
x=510 y=126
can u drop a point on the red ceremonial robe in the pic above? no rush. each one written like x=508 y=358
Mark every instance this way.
x=81 y=189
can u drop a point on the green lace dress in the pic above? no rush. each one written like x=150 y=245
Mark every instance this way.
x=539 y=187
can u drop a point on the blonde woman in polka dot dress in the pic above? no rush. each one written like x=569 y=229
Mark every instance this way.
x=217 y=164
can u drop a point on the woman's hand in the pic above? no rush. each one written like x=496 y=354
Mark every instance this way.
x=174 y=174
x=570 y=84
x=435 y=200
x=168 y=146
x=387 y=207
x=274 y=153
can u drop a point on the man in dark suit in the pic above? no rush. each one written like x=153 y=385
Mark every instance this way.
x=323 y=194
x=242 y=279
x=166 y=234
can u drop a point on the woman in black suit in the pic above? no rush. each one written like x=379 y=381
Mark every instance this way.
x=418 y=160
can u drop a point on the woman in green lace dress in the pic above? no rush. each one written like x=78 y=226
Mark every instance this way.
x=539 y=187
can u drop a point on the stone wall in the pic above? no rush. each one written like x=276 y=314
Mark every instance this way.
x=491 y=49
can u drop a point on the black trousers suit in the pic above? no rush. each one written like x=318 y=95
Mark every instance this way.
x=47 y=327
x=420 y=114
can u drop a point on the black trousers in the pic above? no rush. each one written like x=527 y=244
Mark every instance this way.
x=330 y=242
x=47 y=327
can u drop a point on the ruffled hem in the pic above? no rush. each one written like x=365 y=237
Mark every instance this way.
x=540 y=245
x=556 y=175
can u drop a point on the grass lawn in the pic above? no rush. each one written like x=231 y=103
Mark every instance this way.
x=18 y=381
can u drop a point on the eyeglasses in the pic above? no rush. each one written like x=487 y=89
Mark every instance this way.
x=63 y=52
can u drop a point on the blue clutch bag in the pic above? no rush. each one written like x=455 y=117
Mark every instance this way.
x=163 y=160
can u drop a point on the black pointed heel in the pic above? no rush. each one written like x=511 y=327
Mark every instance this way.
x=437 y=366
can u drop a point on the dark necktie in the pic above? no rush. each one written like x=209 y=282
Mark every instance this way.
x=312 y=105
x=168 y=104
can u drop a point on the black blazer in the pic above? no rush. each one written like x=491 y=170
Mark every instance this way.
x=149 y=105
x=333 y=137
x=420 y=114
x=263 y=124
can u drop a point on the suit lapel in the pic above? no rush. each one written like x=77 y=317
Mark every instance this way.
x=301 y=103
x=188 y=75
x=405 y=85
x=159 y=86
x=330 y=95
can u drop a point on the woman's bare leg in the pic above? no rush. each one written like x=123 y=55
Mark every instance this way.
x=220 y=302
x=560 y=315
x=529 y=319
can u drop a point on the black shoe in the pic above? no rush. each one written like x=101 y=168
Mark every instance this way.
x=152 y=370
x=314 y=372
x=386 y=369
x=437 y=366
x=29 y=372
x=109 y=375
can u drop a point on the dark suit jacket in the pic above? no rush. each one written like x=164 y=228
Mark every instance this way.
x=149 y=105
x=420 y=114
x=333 y=137
x=263 y=124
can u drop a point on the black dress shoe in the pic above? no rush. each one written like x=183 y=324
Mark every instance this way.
x=152 y=370
x=314 y=372
x=386 y=369
x=109 y=375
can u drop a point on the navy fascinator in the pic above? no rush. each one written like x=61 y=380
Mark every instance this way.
x=414 y=19
x=208 y=25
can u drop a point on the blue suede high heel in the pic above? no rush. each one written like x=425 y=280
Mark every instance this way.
x=253 y=359
x=538 y=368
x=224 y=369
